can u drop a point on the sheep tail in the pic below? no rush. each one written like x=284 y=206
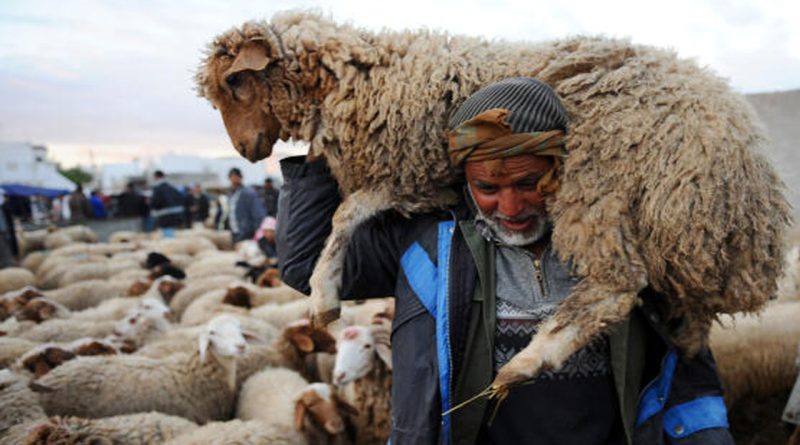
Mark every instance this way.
x=326 y=280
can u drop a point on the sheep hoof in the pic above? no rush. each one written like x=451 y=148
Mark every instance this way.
x=323 y=319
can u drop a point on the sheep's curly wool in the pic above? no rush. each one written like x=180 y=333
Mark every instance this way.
x=664 y=184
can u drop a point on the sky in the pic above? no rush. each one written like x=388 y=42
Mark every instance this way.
x=112 y=81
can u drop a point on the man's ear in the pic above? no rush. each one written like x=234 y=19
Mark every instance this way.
x=252 y=56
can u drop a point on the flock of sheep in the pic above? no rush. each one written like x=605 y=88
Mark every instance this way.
x=188 y=341
x=181 y=341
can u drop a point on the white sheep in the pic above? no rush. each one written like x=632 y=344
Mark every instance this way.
x=281 y=315
x=20 y=407
x=72 y=329
x=12 y=348
x=199 y=386
x=130 y=429
x=104 y=270
x=198 y=286
x=90 y=293
x=13 y=278
x=237 y=432
x=295 y=348
x=33 y=260
x=238 y=298
x=283 y=398
x=363 y=373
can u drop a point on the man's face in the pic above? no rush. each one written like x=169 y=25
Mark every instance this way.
x=235 y=179
x=505 y=194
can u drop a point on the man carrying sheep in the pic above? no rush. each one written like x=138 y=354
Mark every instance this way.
x=472 y=285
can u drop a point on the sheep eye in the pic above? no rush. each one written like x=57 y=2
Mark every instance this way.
x=367 y=346
x=212 y=333
x=234 y=80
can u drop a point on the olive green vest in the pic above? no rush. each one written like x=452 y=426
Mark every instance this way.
x=626 y=344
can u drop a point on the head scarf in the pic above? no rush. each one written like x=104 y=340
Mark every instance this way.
x=488 y=137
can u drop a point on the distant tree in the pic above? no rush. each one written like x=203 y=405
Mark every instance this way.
x=76 y=174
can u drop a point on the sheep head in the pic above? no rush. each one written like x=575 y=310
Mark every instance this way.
x=42 y=359
x=223 y=337
x=139 y=287
x=269 y=80
x=40 y=309
x=307 y=338
x=359 y=348
x=239 y=296
x=236 y=79
x=322 y=408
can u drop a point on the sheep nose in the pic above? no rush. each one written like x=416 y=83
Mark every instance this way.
x=241 y=348
x=339 y=378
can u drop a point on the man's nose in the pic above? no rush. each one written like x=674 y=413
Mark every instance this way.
x=510 y=203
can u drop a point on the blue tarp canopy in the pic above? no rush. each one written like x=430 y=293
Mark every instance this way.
x=26 y=190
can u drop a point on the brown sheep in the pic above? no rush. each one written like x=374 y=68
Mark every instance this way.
x=664 y=183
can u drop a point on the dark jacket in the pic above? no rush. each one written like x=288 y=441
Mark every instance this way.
x=249 y=213
x=80 y=209
x=166 y=203
x=197 y=207
x=130 y=203
x=444 y=324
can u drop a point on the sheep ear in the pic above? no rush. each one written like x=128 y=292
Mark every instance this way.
x=299 y=414
x=303 y=342
x=203 y=343
x=252 y=56
x=36 y=387
x=382 y=345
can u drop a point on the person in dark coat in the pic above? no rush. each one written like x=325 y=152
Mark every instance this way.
x=166 y=203
x=246 y=210
x=8 y=241
x=197 y=205
x=80 y=209
x=473 y=283
x=131 y=203
x=270 y=195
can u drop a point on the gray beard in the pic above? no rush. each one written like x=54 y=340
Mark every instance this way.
x=519 y=239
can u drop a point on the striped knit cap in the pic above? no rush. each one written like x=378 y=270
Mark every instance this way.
x=533 y=105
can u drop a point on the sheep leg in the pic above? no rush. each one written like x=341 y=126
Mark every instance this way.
x=326 y=279
x=583 y=315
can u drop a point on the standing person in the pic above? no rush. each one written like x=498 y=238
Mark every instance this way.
x=265 y=237
x=98 y=206
x=166 y=204
x=130 y=203
x=271 y=195
x=197 y=205
x=8 y=240
x=246 y=210
x=80 y=209
x=503 y=279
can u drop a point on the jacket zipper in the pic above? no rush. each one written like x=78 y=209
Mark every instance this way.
x=539 y=273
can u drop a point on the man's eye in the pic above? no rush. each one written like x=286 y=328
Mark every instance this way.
x=485 y=188
x=526 y=185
